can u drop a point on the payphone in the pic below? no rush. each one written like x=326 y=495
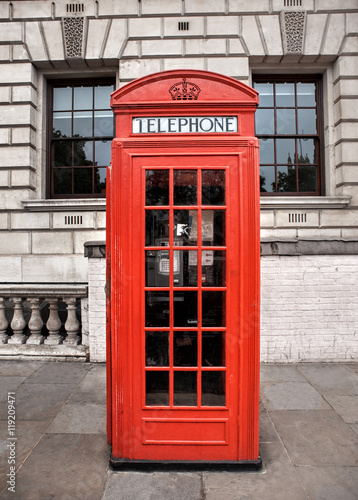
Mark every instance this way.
x=183 y=273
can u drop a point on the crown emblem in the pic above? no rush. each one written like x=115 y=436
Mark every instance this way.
x=184 y=91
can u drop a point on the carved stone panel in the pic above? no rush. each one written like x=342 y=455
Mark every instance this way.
x=293 y=28
x=73 y=34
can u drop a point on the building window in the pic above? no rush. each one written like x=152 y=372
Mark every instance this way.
x=288 y=125
x=81 y=129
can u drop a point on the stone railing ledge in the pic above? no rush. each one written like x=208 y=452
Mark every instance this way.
x=64 y=290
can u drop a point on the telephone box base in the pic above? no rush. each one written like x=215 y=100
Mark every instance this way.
x=123 y=464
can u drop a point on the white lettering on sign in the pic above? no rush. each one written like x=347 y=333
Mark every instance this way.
x=184 y=124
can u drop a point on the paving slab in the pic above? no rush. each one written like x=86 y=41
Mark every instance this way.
x=268 y=433
x=153 y=486
x=9 y=384
x=59 y=373
x=38 y=401
x=19 y=368
x=330 y=483
x=89 y=418
x=333 y=379
x=292 y=396
x=280 y=373
x=277 y=478
x=63 y=466
x=346 y=407
x=92 y=388
x=316 y=437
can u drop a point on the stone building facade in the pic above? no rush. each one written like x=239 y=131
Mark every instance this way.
x=309 y=218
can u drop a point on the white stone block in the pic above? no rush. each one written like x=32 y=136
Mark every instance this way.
x=10 y=269
x=144 y=28
x=132 y=49
x=347 y=152
x=267 y=218
x=23 y=135
x=335 y=6
x=4 y=180
x=348 y=190
x=101 y=220
x=34 y=42
x=352 y=23
x=54 y=40
x=17 y=156
x=339 y=218
x=128 y=70
x=335 y=34
x=253 y=6
x=18 y=73
x=73 y=220
x=38 y=9
x=350 y=45
x=52 y=243
x=345 y=130
x=49 y=269
x=318 y=233
x=24 y=93
x=20 y=53
x=23 y=178
x=3 y=220
x=315 y=26
x=184 y=63
x=272 y=33
x=207 y=46
x=251 y=36
x=150 y=7
x=231 y=66
x=114 y=7
x=162 y=47
x=30 y=220
x=4 y=136
x=209 y=6
x=281 y=234
x=116 y=37
x=196 y=26
x=349 y=233
x=222 y=25
x=236 y=47
x=11 y=199
x=14 y=243
x=80 y=238
x=95 y=37
x=18 y=115
x=345 y=66
x=345 y=109
x=5 y=94
x=296 y=218
x=4 y=53
x=345 y=88
x=11 y=32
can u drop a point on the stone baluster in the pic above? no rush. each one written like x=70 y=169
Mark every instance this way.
x=18 y=323
x=3 y=322
x=72 y=324
x=53 y=324
x=35 y=323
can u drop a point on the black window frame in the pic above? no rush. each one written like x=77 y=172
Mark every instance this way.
x=318 y=137
x=72 y=82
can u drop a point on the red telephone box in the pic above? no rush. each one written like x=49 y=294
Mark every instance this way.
x=183 y=272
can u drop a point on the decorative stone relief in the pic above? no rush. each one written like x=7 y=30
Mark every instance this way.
x=293 y=28
x=73 y=32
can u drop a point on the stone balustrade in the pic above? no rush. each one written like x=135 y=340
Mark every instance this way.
x=41 y=319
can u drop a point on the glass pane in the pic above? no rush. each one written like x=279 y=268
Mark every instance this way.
x=157 y=227
x=103 y=123
x=83 y=180
x=306 y=94
x=62 y=98
x=265 y=122
x=157 y=388
x=62 y=124
x=213 y=268
x=307 y=178
x=82 y=124
x=83 y=98
x=185 y=268
x=213 y=388
x=62 y=154
x=265 y=91
x=214 y=309
x=157 y=187
x=307 y=121
x=267 y=180
x=102 y=96
x=83 y=153
x=306 y=151
x=186 y=227
x=102 y=153
x=185 y=349
x=185 y=187
x=100 y=176
x=286 y=123
x=286 y=179
x=213 y=349
x=185 y=389
x=285 y=151
x=213 y=227
x=157 y=268
x=62 y=181
x=157 y=309
x=285 y=95
x=156 y=348
x=267 y=153
x=185 y=309
x=213 y=187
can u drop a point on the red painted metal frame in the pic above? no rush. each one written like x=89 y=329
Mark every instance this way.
x=162 y=433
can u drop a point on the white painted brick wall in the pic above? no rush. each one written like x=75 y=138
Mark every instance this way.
x=309 y=308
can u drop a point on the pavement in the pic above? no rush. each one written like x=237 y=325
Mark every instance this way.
x=308 y=438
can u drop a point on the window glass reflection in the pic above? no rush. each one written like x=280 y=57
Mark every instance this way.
x=62 y=154
x=213 y=388
x=185 y=348
x=286 y=178
x=157 y=187
x=102 y=153
x=186 y=226
x=62 y=98
x=265 y=91
x=285 y=150
x=102 y=95
x=100 y=176
x=213 y=187
x=306 y=151
x=83 y=180
x=286 y=121
x=213 y=309
x=157 y=309
x=264 y=122
x=185 y=190
x=285 y=95
x=186 y=309
x=306 y=94
x=82 y=124
x=103 y=123
x=157 y=348
x=307 y=119
x=62 y=180
x=213 y=227
x=185 y=388
x=62 y=124
x=213 y=349
x=82 y=153
x=83 y=98
x=157 y=388
x=267 y=151
x=307 y=178
x=267 y=179
x=157 y=227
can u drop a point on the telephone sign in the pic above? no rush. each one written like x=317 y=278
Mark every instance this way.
x=183 y=273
